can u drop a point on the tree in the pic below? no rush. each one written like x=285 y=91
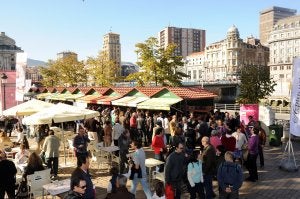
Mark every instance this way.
x=256 y=84
x=102 y=71
x=66 y=71
x=157 y=64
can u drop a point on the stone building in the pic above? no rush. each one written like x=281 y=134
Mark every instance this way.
x=8 y=50
x=223 y=60
x=112 y=48
x=268 y=18
x=284 y=45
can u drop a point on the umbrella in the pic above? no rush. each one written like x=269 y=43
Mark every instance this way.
x=59 y=113
x=27 y=108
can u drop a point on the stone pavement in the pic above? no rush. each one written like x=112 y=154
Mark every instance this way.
x=273 y=183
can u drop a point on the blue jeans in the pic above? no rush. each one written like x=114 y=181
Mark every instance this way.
x=144 y=183
x=208 y=186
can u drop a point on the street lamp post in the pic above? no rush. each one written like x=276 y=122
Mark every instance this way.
x=3 y=82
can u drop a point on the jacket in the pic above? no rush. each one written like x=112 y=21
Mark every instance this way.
x=174 y=169
x=121 y=192
x=209 y=160
x=7 y=172
x=230 y=174
x=73 y=195
x=51 y=146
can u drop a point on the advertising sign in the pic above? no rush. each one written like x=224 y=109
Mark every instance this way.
x=247 y=110
x=21 y=62
x=295 y=99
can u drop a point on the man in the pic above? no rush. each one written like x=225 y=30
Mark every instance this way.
x=262 y=142
x=80 y=143
x=174 y=169
x=78 y=187
x=51 y=149
x=83 y=171
x=230 y=178
x=139 y=160
x=91 y=126
x=124 y=142
x=121 y=191
x=117 y=131
x=7 y=180
x=208 y=166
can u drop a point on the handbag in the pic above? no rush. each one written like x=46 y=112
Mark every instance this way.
x=23 y=191
x=170 y=194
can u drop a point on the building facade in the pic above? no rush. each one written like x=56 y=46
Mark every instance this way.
x=187 y=40
x=112 y=48
x=223 y=60
x=8 y=56
x=284 y=45
x=8 y=50
x=268 y=18
x=65 y=54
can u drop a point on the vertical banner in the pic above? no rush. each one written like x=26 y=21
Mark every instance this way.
x=21 y=62
x=247 y=110
x=295 y=99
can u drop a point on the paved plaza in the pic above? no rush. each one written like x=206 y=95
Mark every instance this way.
x=273 y=183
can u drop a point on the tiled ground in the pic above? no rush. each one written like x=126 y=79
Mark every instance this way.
x=273 y=183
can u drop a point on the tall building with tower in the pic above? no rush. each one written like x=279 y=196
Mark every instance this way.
x=112 y=48
x=187 y=40
x=268 y=18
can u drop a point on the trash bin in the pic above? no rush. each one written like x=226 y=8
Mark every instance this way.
x=275 y=134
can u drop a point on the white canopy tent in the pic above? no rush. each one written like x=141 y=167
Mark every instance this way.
x=27 y=108
x=60 y=113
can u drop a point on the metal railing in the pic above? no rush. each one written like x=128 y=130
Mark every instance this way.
x=230 y=107
x=236 y=107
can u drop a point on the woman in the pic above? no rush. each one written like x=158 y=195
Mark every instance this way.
x=252 y=156
x=215 y=139
x=20 y=136
x=7 y=180
x=34 y=164
x=240 y=141
x=22 y=156
x=107 y=133
x=158 y=146
x=5 y=141
x=195 y=176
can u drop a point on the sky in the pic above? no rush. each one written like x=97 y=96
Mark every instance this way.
x=44 y=28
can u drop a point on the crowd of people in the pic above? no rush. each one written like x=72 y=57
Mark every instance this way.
x=196 y=149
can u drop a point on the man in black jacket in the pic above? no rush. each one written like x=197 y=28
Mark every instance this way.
x=208 y=166
x=174 y=169
x=7 y=180
x=78 y=187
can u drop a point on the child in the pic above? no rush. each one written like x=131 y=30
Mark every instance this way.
x=159 y=191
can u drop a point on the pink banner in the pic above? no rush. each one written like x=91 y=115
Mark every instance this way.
x=247 y=110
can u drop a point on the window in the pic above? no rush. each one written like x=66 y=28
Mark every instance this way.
x=281 y=76
x=274 y=67
x=194 y=74
x=189 y=74
x=281 y=67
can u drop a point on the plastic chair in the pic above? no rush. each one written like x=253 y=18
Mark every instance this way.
x=71 y=149
x=36 y=182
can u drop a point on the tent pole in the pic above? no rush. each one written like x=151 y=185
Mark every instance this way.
x=63 y=132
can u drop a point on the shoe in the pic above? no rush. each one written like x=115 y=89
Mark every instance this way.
x=214 y=195
x=250 y=179
x=262 y=166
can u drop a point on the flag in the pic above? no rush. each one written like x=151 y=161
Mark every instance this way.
x=295 y=99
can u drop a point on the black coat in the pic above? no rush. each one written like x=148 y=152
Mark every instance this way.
x=7 y=172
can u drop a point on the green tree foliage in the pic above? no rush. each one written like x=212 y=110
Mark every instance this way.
x=102 y=71
x=255 y=84
x=67 y=71
x=157 y=64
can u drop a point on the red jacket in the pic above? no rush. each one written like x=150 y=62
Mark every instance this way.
x=229 y=142
x=157 y=144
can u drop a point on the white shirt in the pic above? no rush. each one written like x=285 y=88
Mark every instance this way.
x=118 y=129
x=22 y=158
x=240 y=140
x=20 y=137
x=156 y=197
